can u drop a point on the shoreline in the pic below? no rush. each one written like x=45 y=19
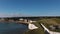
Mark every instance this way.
x=17 y=22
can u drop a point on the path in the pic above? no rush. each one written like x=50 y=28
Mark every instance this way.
x=50 y=32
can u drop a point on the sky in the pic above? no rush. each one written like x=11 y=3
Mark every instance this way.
x=30 y=7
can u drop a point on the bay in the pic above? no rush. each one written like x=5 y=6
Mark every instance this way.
x=12 y=28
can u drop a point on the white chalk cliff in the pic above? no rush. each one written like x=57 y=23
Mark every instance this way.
x=32 y=26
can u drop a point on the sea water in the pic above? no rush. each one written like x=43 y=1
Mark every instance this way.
x=12 y=28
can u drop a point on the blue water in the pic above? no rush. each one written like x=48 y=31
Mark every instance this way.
x=12 y=28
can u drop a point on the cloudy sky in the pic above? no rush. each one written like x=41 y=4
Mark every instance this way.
x=30 y=7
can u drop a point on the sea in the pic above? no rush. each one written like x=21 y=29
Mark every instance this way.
x=12 y=28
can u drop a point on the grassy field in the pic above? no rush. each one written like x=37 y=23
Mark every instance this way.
x=47 y=22
x=50 y=21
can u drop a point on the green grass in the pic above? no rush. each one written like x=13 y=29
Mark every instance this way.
x=47 y=22
x=50 y=21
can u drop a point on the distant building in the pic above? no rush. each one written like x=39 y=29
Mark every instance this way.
x=32 y=21
x=25 y=20
x=21 y=19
